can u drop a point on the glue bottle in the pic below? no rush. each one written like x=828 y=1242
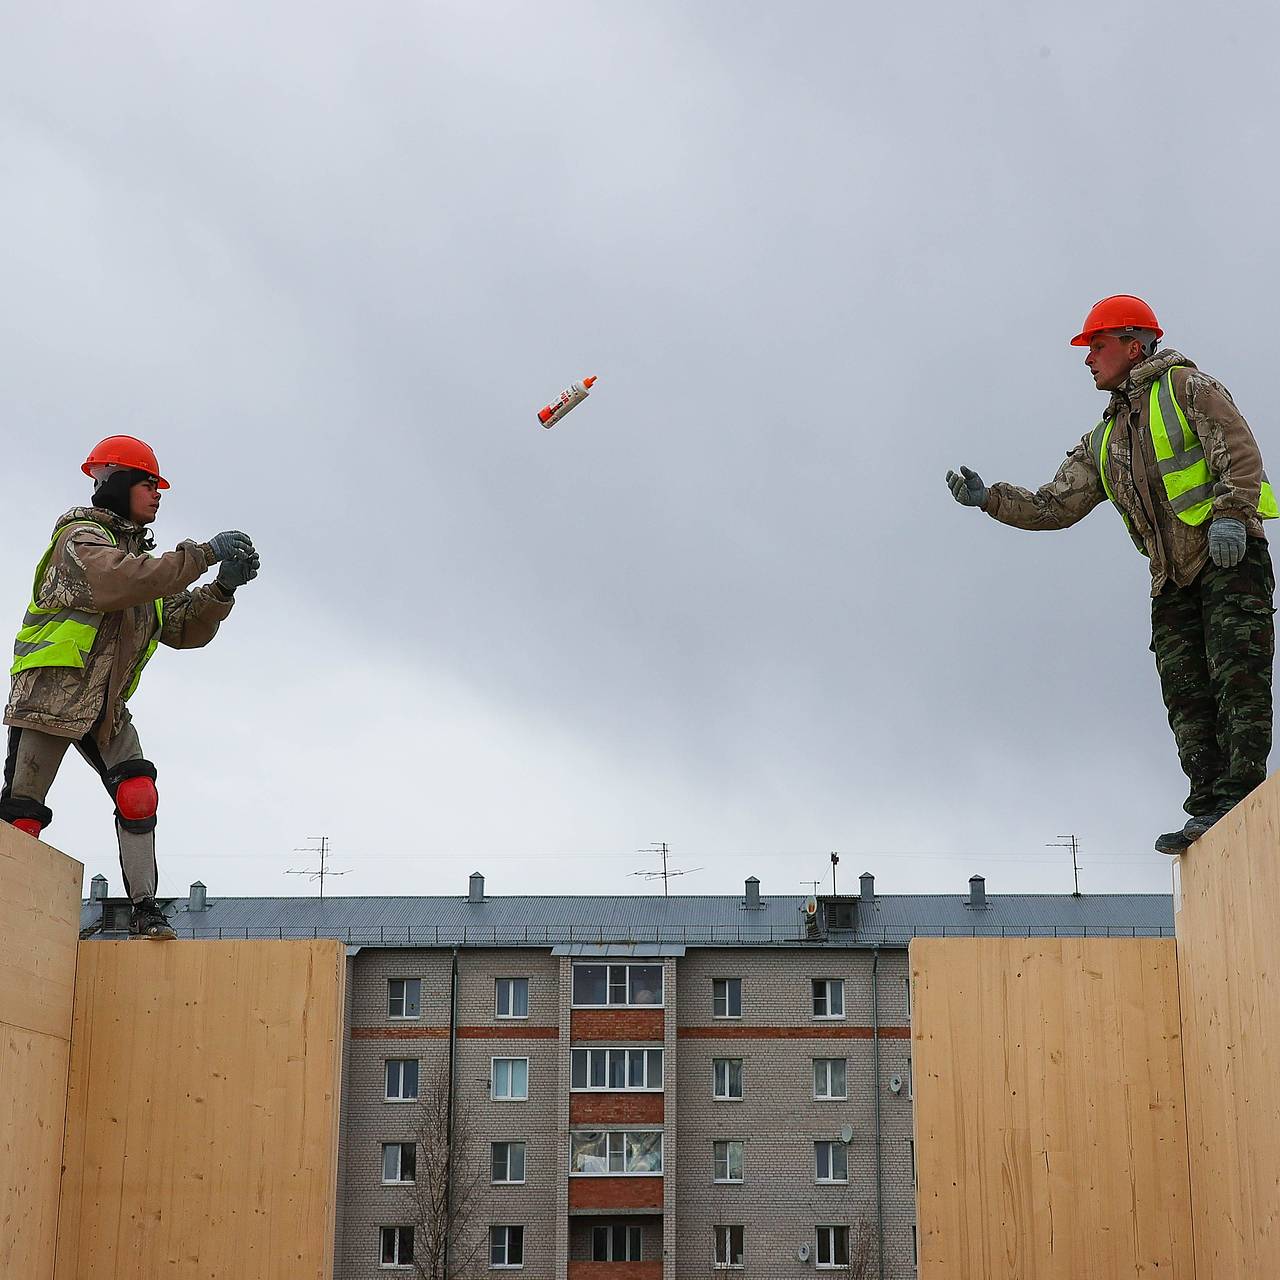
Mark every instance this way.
x=568 y=399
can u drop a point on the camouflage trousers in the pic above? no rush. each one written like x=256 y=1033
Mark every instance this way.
x=1214 y=643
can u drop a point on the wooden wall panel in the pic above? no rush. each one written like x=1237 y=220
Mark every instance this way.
x=1050 y=1127
x=1227 y=913
x=39 y=932
x=202 y=1113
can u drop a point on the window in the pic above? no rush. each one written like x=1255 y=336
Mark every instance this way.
x=513 y=997
x=399 y=1161
x=728 y=1161
x=728 y=1246
x=598 y=1153
x=404 y=997
x=727 y=1083
x=726 y=997
x=616 y=1244
x=833 y=1247
x=841 y=914
x=617 y=984
x=828 y=997
x=911 y=1087
x=506 y=1246
x=911 y=1142
x=507 y=1161
x=510 y=1079
x=616 y=1069
x=829 y=1077
x=906 y=983
x=832 y=1160
x=402 y=1080
x=397 y=1246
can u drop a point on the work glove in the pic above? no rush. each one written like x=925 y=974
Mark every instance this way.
x=967 y=488
x=235 y=573
x=231 y=545
x=1226 y=542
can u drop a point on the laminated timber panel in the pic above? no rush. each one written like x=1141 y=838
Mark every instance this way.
x=39 y=933
x=202 y=1113
x=1227 y=917
x=1050 y=1128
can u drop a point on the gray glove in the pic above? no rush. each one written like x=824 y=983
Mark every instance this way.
x=231 y=545
x=1226 y=542
x=235 y=573
x=967 y=488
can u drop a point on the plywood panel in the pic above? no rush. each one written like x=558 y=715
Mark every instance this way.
x=202 y=1113
x=1228 y=928
x=39 y=929
x=1050 y=1127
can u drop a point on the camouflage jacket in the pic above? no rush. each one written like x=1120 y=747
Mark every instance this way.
x=1177 y=551
x=121 y=582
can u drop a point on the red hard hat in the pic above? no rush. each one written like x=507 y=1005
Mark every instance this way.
x=124 y=451
x=1120 y=311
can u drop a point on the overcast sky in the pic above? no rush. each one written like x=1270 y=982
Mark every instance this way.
x=330 y=259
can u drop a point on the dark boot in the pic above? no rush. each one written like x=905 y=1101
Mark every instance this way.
x=149 y=921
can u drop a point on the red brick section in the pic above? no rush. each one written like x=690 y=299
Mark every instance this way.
x=615 y=1193
x=615 y=1270
x=615 y=1108
x=399 y=1033
x=617 y=1024
x=464 y=1033
x=811 y=1032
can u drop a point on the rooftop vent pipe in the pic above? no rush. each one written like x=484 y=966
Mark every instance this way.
x=98 y=888
x=476 y=891
x=753 y=894
x=867 y=887
x=196 y=897
x=977 y=892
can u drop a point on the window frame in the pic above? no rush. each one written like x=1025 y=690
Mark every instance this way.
x=509 y=1143
x=830 y=1232
x=610 y=985
x=398 y=1228
x=401 y=1181
x=494 y=1095
x=828 y=984
x=506 y=1228
x=728 y=1096
x=626 y=1051
x=511 y=987
x=386 y=1080
x=730 y=985
x=632 y=1232
x=729 y=1229
x=404 y=1000
x=830 y=1097
x=831 y=1144
x=728 y=1180
x=609 y=1136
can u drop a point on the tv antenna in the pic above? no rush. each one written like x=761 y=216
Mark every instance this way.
x=835 y=862
x=312 y=874
x=667 y=871
x=1069 y=842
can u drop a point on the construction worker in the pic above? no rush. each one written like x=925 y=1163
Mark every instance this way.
x=1178 y=460
x=99 y=606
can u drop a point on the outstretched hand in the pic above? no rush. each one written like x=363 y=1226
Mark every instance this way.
x=235 y=573
x=967 y=488
x=231 y=545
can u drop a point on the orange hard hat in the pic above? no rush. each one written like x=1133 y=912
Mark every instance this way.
x=1120 y=311
x=124 y=451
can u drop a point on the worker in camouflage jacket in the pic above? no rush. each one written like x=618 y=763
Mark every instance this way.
x=1178 y=460
x=100 y=605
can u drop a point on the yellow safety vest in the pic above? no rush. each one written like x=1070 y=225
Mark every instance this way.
x=1188 y=482
x=64 y=637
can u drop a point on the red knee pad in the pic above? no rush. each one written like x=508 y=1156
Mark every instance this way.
x=137 y=799
x=30 y=826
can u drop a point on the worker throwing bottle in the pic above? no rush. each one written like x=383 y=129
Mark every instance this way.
x=100 y=605
x=1179 y=462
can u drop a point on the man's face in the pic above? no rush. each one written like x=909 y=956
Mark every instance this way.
x=144 y=501
x=1110 y=358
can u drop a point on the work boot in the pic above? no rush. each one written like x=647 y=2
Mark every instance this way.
x=149 y=920
x=1199 y=824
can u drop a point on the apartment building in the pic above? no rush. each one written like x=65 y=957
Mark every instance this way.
x=634 y=1087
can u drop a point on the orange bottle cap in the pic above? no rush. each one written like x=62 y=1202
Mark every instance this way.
x=586 y=382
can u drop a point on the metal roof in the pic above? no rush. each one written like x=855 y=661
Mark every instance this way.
x=688 y=920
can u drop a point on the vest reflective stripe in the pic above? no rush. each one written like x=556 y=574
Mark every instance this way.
x=1188 y=482
x=64 y=637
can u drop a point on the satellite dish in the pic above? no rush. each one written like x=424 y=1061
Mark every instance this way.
x=895 y=1084
x=846 y=1134
x=811 y=909
x=803 y=1252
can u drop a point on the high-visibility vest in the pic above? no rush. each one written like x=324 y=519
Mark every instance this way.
x=1188 y=482
x=64 y=637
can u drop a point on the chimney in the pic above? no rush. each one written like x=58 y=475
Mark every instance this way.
x=867 y=887
x=476 y=892
x=753 y=894
x=977 y=893
x=196 y=897
x=98 y=888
